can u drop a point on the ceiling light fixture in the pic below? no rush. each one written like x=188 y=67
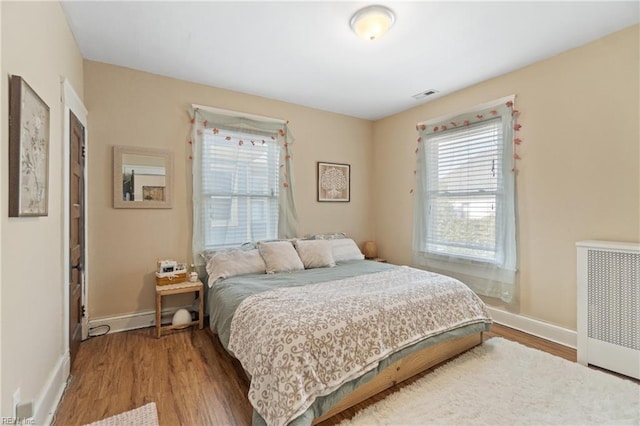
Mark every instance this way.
x=372 y=22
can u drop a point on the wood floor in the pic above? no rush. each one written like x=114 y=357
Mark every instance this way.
x=189 y=376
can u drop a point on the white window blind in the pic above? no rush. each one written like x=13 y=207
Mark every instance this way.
x=463 y=185
x=239 y=189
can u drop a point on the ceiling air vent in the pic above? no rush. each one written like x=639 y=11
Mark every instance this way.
x=424 y=94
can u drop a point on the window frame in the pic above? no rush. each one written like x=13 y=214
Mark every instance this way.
x=438 y=194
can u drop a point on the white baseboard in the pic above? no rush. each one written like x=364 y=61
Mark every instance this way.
x=47 y=403
x=133 y=321
x=535 y=327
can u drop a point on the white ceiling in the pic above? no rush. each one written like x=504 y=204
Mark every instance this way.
x=305 y=52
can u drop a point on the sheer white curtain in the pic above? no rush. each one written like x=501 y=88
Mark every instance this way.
x=242 y=181
x=464 y=207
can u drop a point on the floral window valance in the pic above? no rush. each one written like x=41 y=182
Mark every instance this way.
x=477 y=116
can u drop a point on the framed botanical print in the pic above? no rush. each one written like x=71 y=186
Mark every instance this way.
x=28 y=151
x=334 y=182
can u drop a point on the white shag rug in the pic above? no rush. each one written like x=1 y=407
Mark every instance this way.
x=147 y=415
x=506 y=383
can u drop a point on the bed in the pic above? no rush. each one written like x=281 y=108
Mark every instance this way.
x=314 y=342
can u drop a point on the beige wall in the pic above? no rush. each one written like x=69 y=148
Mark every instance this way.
x=134 y=108
x=579 y=175
x=37 y=45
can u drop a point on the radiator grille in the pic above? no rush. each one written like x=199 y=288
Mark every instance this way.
x=614 y=297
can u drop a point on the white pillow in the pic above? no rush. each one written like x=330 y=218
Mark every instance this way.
x=345 y=249
x=280 y=256
x=225 y=264
x=208 y=254
x=315 y=253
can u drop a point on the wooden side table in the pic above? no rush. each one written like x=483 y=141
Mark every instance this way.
x=185 y=287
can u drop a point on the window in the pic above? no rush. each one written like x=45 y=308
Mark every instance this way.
x=462 y=186
x=242 y=181
x=464 y=219
x=239 y=188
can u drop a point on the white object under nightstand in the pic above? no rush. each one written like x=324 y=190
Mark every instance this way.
x=185 y=287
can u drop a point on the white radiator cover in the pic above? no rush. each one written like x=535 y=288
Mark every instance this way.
x=609 y=306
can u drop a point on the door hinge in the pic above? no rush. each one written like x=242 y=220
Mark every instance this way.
x=84 y=151
x=84 y=312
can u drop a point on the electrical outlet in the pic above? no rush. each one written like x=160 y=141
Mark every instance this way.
x=16 y=401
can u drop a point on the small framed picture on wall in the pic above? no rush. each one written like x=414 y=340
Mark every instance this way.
x=334 y=182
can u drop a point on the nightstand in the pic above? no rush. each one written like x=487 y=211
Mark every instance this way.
x=185 y=287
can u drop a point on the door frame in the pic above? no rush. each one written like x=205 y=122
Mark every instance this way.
x=71 y=102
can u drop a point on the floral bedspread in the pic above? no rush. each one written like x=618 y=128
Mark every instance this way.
x=299 y=343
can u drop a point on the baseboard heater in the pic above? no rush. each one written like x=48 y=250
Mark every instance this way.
x=609 y=306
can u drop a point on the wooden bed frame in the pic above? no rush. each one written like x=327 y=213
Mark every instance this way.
x=403 y=369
